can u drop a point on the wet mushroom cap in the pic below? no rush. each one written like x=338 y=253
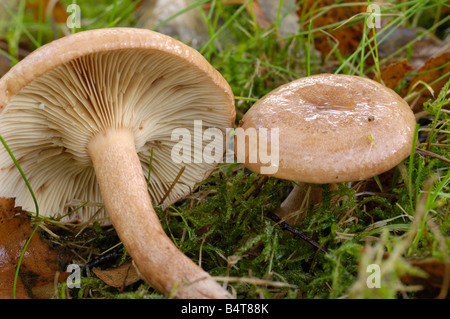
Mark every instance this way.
x=332 y=128
x=63 y=94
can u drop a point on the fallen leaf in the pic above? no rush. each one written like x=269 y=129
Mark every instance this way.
x=394 y=41
x=40 y=264
x=4 y=65
x=188 y=27
x=268 y=12
x=265 y=13
x=426 y=48
x=260 y=15
x=436 y=73
x=121 y=276
x=54 y=9
x=390 y=40
x=392 y=74
x=437 y=282
x=348 y=35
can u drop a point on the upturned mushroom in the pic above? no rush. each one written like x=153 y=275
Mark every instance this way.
x=332 y=129
x=83 y=116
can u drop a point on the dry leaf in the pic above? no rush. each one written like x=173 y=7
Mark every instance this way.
x=55 y=10
x=40 y=264
x=426 y=48
x=265 y=13
x=124 y=275
x=437 y=282
x=260 y=16
x=4 y=65
x=188 y=27
x=397 y=39
x=430 y=72
x=392 y=74
x=348 y=36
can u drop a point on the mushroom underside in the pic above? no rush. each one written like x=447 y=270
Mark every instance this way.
x=50 y=122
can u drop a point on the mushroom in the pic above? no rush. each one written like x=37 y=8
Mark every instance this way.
x=332 y=129
x=83 y=116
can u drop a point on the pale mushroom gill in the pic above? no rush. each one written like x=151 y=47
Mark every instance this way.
x=49 y=123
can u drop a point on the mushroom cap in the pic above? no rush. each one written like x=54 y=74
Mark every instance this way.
x=59 y=97
x=332 y=128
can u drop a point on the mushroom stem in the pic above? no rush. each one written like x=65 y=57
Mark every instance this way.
x=290 y=209
x=293 y=209
x=126 y=198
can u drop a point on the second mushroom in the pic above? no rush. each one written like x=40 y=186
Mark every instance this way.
x=332 y=128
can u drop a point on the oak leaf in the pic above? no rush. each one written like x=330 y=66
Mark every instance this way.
x=347 y=36
x=435 y=73
x=119 y=277
x=41 y=264
x=392 y=74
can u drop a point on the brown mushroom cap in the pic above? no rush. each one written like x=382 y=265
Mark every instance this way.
x=333 y=128
x=66 y=92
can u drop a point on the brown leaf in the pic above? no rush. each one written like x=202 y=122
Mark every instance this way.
x=260 y=16
x=57 y=11
x=392 y=74
x=348 y=36
x=431 y=71
x=396 y=40
x=4 y=65
x=40 y=263
x=124 y=275
x=437 y=282
x=426 y=48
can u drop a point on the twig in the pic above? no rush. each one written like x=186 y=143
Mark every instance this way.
x=172 y=185
x=254 y=281
x=296 y=232
x=428 y=153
